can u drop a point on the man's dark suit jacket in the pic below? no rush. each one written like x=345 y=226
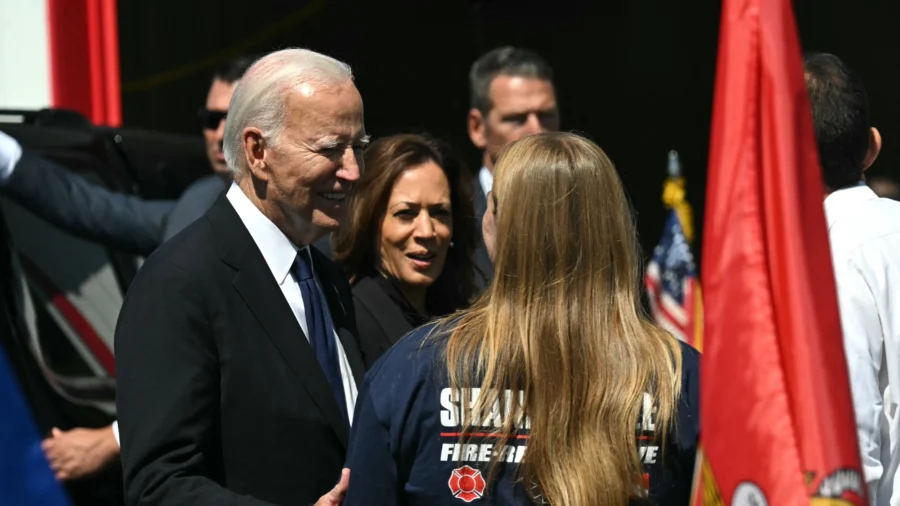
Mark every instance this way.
x=220 y=397
x=124 y=222
x=482 y=260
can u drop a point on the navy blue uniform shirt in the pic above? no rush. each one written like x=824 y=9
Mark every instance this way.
x=405 y=445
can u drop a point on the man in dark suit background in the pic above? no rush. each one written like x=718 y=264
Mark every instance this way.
x=123 y=221
x=237 y=351
x=512 y=95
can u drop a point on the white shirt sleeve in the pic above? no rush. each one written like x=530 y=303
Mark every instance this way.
x=864 y=348
x=115 y=429
x=10 y=153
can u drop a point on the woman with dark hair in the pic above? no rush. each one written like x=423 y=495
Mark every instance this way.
x=408 y=239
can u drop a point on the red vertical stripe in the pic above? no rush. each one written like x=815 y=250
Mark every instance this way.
x=95 y=61
x=84 y=58
x=66 y=24
x=109 y=44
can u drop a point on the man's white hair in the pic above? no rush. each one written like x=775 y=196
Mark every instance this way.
x=259 y=98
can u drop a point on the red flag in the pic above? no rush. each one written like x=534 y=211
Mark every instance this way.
x=777 y=420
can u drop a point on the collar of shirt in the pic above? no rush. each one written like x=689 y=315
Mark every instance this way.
x=846 y=199
x=278 y=251
x=486 y=178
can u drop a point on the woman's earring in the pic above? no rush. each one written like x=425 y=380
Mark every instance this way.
x=451 y=244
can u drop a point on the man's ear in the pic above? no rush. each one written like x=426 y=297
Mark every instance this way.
x=476 y=125
x=874 y=148
x=255 y=153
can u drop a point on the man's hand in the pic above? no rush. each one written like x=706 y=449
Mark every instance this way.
x=336 y=496
x=80 y=452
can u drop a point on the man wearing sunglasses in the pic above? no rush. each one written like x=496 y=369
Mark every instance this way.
x=199 y=197
x=122 y=221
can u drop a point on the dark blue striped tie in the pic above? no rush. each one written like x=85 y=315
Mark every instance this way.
x=320 y=328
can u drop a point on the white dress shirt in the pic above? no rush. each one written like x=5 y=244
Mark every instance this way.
x=864 y=232
x=486 y=179
x=10 y=153
x=280 y=254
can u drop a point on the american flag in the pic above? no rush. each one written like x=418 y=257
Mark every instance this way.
x=672 y=284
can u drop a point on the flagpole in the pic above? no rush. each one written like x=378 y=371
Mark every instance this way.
x=674 y=164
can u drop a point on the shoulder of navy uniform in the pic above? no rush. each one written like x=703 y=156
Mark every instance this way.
x=421 y=346
x=690 y=357
x=688 y=351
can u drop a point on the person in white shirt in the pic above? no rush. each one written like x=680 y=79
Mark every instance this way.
x=864 y=232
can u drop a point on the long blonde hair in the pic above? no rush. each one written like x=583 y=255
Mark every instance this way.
x=562 y=322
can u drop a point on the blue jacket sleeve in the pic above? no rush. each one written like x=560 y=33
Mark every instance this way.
x=373 y=470
x=117 y=220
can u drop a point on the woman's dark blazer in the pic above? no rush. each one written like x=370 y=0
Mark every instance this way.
x=382 y=316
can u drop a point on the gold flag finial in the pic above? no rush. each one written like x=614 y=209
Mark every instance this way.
x=674 y=196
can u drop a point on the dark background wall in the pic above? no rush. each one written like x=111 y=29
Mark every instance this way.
x=634 y=75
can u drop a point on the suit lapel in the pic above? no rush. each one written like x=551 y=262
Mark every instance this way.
x=262 y=295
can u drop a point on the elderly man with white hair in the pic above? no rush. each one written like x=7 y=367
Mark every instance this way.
x=237 y=352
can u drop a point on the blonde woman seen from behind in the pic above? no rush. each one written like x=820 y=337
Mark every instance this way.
x=554 y=388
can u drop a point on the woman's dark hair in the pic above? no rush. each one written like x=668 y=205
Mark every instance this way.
x=354 y=245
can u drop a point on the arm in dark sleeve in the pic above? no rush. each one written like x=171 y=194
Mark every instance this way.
x=167 y=393
x=373 y=471
x=90 y=211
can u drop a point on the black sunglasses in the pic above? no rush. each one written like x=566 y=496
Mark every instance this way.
x=211 y=119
